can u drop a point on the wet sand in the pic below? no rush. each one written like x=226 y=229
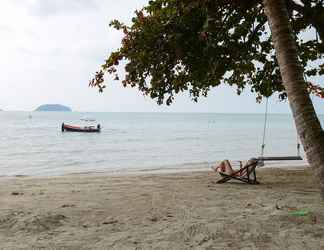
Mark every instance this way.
x=161 y=211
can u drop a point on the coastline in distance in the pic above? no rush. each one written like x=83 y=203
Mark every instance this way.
x=54 y=107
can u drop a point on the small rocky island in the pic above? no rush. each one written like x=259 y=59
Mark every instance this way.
x=54 y=107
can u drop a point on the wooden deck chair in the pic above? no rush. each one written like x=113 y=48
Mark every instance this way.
x=245 y=174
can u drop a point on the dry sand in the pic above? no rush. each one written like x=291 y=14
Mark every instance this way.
x=161 y=211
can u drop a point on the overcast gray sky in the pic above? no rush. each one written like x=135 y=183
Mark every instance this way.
x=50 y=49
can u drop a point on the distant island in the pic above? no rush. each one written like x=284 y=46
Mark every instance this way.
x=53 y=107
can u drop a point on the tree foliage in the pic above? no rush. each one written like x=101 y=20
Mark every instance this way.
x=178 y=45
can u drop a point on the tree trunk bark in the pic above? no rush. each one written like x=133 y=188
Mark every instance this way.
x=308 y=126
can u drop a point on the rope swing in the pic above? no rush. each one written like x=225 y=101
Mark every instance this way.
x=262 y=158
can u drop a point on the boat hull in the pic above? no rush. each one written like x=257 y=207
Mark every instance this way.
x=73 y=128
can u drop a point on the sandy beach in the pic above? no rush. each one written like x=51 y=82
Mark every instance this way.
x=161 y=211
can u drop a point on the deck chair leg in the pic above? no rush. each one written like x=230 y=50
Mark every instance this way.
x=254 y=177
x=248 y=176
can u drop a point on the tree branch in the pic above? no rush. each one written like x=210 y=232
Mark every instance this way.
x=306 y=3
x=313 y=16
x=296 y=7
x=255 y=31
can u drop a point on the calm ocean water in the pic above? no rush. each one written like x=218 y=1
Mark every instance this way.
x=136 y=141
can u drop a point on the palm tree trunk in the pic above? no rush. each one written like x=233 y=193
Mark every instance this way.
x=308 y=127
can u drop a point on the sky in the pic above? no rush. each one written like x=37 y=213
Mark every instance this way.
x=51 y=48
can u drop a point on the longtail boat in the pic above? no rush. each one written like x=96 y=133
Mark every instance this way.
x=82 y=129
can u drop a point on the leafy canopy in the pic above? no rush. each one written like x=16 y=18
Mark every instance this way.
x=178 y=45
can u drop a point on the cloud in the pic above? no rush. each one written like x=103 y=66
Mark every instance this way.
x=5 y=29
x=46 y=8
x=51 y=48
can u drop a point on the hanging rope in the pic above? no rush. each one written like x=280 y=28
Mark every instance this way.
x=265 y=127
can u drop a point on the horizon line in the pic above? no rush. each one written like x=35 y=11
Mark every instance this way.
x=151 y=112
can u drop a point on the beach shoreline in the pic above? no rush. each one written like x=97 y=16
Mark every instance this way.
x=167 y=169
x=180 y=210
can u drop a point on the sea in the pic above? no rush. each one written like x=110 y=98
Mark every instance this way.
x=31 y=143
